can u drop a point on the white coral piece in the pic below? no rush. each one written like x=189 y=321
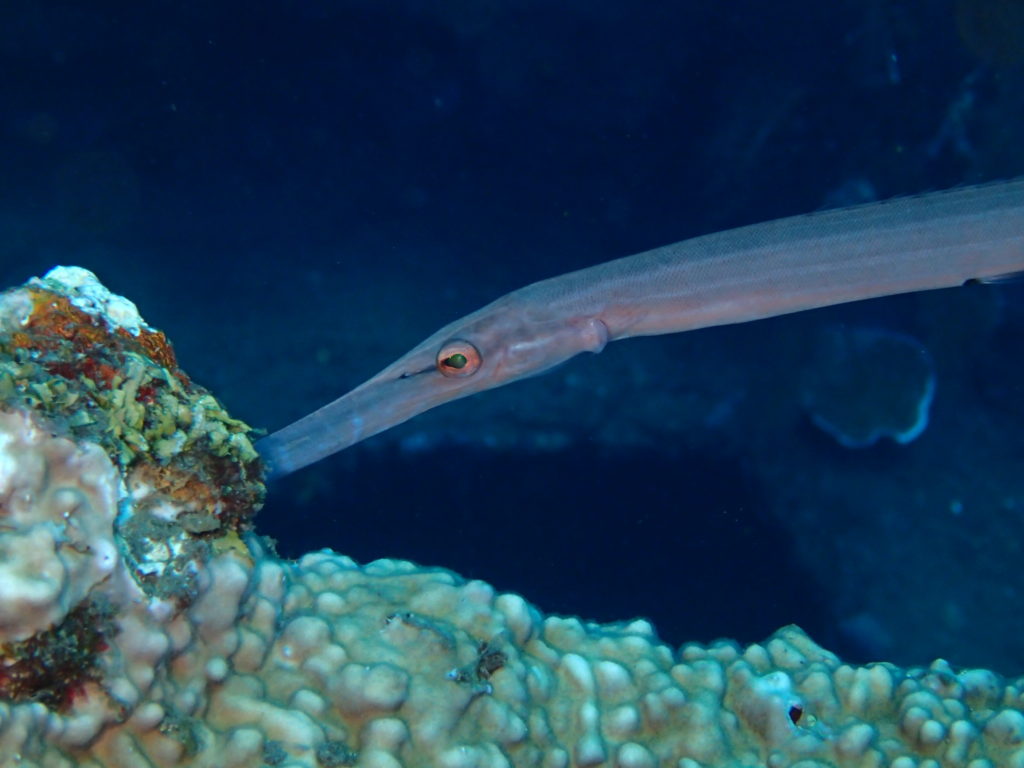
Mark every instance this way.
x=87 y=293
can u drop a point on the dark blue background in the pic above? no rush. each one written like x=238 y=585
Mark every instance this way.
x=298 y=192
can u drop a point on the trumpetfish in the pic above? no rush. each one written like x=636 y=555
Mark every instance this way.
x=925 y=242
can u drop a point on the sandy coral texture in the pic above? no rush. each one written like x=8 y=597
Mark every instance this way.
x=142 y=622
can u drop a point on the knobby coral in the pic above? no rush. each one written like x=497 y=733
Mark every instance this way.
x=143 y=623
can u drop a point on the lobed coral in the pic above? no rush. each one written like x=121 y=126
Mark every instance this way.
x=143 y=624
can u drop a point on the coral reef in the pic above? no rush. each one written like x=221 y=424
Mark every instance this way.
x=143 y=623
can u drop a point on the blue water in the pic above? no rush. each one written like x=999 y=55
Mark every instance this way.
x=299 y=192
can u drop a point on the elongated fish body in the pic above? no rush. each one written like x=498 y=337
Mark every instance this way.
x=937 y=240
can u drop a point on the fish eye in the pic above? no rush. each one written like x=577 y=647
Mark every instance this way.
x=458 y=358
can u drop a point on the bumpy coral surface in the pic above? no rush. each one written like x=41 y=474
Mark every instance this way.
x=143 y=624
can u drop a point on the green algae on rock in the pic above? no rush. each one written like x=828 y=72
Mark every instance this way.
x=84 y=360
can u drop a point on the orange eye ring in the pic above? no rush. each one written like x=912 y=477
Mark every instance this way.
x=458 y=358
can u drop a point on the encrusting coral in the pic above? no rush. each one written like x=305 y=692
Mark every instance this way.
x=142 y=623
x=866 y=384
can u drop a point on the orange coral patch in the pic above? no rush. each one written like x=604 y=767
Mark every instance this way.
x=55 y=315
x=155 y=345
